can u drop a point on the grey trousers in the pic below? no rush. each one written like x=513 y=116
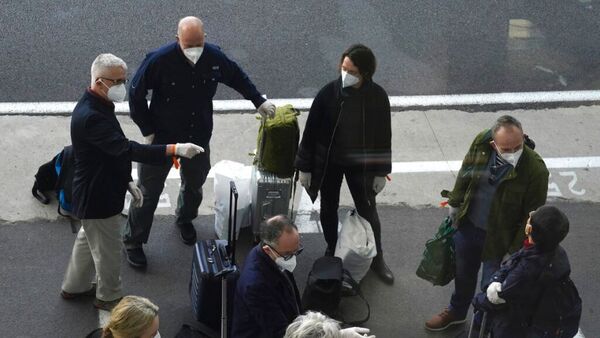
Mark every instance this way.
x=96 y=258
x=151 y=180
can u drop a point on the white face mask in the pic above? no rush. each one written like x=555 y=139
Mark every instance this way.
x=193 y=54
x=348 y=79
x=288 y=265
x=512 y=158
x=117 y=93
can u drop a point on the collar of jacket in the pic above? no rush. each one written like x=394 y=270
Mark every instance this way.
x=104 y=104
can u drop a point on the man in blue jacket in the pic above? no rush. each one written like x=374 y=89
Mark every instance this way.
x=267 y=298
x=102 y=175
x=183 y=77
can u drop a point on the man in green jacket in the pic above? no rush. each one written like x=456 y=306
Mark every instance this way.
x=500 y=181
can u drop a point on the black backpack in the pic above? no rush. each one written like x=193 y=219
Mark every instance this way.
x=327 y=283
x=56 y=175
x=559 y=303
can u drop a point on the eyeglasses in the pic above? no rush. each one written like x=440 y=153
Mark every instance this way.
x=117 y=81
x=513 y=150
x=288 y=256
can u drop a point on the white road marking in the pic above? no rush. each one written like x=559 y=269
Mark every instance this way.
x=45 y=108
x=579 y=334
x=447 y=166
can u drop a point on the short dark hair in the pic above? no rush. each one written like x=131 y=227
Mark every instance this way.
x=271 y=229
x=503 y=121
x=549 y=227
x=363 y=58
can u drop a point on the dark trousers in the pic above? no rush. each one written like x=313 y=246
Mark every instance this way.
x=468 y=245
x=361 y=189
x=151 y=180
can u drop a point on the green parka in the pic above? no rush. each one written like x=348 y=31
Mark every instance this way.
x=523 y=189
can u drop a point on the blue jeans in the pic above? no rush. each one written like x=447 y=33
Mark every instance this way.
x=468 y=245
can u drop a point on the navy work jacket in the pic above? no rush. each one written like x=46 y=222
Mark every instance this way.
x=181 y=106
x=103 y=158
x=266 y=302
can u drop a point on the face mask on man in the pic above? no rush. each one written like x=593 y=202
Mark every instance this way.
x=116 y=93
x=348 y=79
x=193 y=54
x=512 y=158
x=288 y=265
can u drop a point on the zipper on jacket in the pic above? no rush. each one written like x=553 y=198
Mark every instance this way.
x=364 y=136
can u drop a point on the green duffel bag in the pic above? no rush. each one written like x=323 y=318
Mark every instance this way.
x=277 y=142
x=438 y=265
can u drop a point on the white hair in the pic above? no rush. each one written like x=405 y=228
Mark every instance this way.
x=313 y=325
x=103 y=62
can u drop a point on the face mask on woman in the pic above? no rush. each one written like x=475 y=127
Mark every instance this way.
x=348 y=79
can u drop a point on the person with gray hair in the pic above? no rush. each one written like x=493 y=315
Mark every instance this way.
x=102 y=176
x=183 y=77
x=500 y=181
x=317 y=325
x=266 y=296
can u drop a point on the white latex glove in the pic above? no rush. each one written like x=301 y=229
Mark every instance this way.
x=187 y=150
x=378 y=183
x=304 y=179
x=355 y=332
x=267 y=109
x=137 y=198
x=149 y=139
x=492 y=293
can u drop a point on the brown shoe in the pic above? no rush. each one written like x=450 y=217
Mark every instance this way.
x=106 y=305
x=67 y=295
x=443 y=320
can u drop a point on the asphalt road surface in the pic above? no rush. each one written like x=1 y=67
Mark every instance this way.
x=291 y=49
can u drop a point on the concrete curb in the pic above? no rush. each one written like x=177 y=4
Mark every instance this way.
x=469 y=102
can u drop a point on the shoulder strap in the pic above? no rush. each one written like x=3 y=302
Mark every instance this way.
x=295 y=182
x=346 y=277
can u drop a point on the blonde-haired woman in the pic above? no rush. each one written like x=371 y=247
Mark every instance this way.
x=134 y=316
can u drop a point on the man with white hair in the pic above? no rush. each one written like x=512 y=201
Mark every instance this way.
x=102 y=176
x=317 y=325
x=183 y=77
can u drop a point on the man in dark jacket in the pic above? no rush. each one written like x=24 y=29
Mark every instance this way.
x=348 y=134
x=183 y=78
x=102 y=175
x=266 y=297
x=532 y=295
x=500 y=181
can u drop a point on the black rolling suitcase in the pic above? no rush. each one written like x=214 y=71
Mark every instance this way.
x=215 y=275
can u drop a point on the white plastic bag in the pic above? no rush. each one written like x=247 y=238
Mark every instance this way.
x=356 y=245
x=224 y=172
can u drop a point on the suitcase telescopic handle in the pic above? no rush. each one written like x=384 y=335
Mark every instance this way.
x=231 y=237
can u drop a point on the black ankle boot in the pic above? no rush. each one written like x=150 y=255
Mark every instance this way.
x=382 y=270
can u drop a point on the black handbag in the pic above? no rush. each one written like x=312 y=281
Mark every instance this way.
x=327 y=283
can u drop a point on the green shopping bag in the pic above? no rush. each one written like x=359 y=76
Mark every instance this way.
x=438 y=265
